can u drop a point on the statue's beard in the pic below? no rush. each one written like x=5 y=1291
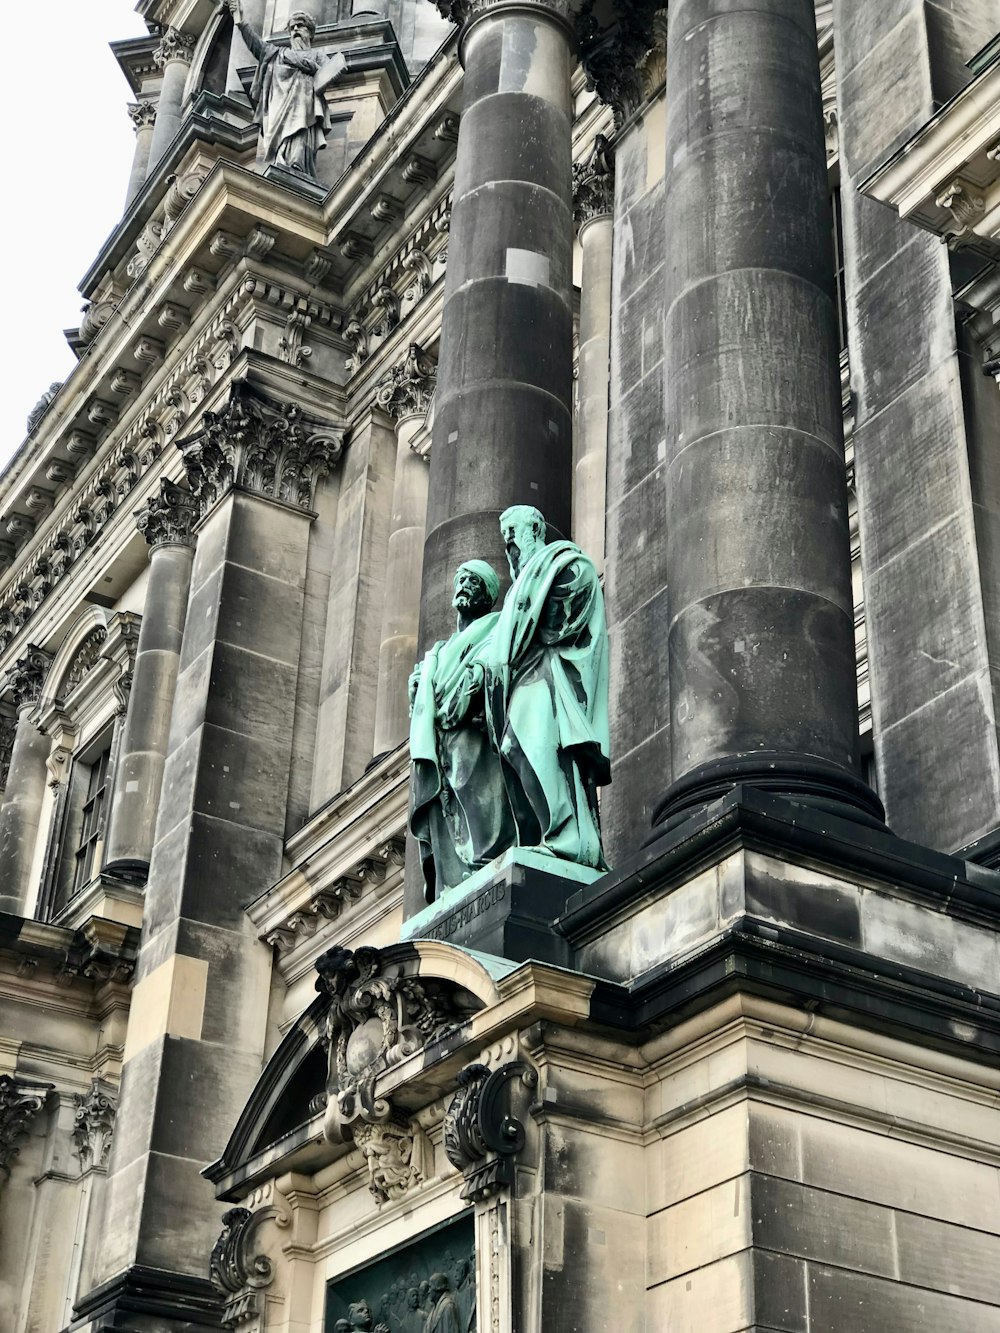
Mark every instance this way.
x=299 y=43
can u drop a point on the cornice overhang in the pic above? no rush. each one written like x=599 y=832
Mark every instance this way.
x=958 y=146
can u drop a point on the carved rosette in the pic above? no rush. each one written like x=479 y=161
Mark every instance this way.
x=390 y=1152
x=481 y=1136
x=376 y=1019
x=258 y=445
x=168 y=518
x=24 y=680
x=20 y=1101
x=94 y=1122
x=406 y=390
x=594 y=183
x=174 y=45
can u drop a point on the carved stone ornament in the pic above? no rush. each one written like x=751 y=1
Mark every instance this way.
x=612 y=58
x=407 y=389
x=94 y=1122
x=168 y=518
x=20 y=1101
x=965 y=207
x=24 y=680
x=174 y=45
x=43 y=404
x=85 y=659
x=262 y=446
x=389 y=1149
x=375 y=1021
x=236 y=1270
x=594 y=183
x=481 y=1137
x=8 y=730
x=142 y=115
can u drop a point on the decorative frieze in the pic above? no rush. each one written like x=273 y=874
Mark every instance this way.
x=24 y=680
x=594 y=183
x=169 y=517
x=20 y=1101
x=94 y=1123
x=407 y=389
x=262 y=446
x=481 y=1136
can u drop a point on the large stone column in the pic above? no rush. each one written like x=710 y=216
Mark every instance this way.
x=761 y=637
x=143 y=117
x=503 y=409
x=26 y=778
x=593 y=206
x=173 y=57
x=166 y=522
x=199 y=1007
x=405 y=394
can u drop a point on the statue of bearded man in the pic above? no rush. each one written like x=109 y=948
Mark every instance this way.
x=547 y=691
x=287 y=91
x=459 y=812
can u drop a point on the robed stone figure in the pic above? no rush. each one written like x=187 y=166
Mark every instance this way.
x=287 y=91
x=459 y=812
x=546 y=685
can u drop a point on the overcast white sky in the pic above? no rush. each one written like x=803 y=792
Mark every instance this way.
x=67 y=145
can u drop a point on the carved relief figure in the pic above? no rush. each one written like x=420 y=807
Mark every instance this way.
x=287 y=91
x=546 y=685
x=459 y=812
x=444 y=1316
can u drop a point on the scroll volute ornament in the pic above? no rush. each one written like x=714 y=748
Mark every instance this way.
x=481 y=1135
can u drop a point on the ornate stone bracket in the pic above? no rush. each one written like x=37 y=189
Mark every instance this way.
x=256 y=444
x=168 y=518
x=94 y=1123
x=481 y=1136
x=594 y=183
x=20 y=1101
x=236 y=1270
x=965 y=206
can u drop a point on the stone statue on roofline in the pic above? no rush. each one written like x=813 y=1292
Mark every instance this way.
x=524 y=691
x=287 y=91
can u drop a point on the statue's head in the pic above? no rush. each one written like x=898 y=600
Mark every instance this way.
x=439 y=1284
x=459 y=1271
x=301 y=29
x=523 y=530
x=477 y=587
x=342 y=1326
x=360 y=1314
x=413 y=1299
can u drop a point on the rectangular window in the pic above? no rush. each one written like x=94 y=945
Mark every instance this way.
x=92 y=823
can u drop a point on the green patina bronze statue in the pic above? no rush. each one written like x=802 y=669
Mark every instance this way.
x=509 y=736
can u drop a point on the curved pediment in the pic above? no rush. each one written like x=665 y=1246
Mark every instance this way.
x=289 y=1109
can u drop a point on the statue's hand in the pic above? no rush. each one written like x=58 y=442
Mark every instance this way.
x=234 y=8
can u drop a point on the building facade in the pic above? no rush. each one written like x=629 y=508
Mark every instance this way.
x=717 y=287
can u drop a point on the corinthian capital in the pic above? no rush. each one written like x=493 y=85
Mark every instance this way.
x=407 y=388
x=174 y=45
x=594 y=183
x=142 y=115
x=20 y=1100
x=26 y=677
x=168 y=518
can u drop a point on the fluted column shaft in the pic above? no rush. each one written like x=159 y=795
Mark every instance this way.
x=25 y=792
x=503 y=414
x=167 y=522
x=761 y=636
x=173 y=56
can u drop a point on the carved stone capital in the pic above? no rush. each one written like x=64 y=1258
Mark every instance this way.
x=20 y=1101
x=142 y=115
x=94 y=1122
x=613 y=58
x=174 y=45
x=461 y=12
x=407 y=388
x=168 y=518
x=24 y=680
x=594 y=183
x=268 y=448
x=481 y=1136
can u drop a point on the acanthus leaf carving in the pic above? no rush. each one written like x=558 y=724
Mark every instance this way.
x=168 y=517
x=94 y=1122
x=20 y=1101
x=594 y=183
x=481 y=1135
x=24 y=680
x=406 y=389
x=613 y=57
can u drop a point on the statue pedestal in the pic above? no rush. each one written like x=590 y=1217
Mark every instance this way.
x=506 y=908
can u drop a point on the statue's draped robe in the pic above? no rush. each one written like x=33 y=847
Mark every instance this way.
x=293 y=117
x=445 y=1317
x=458 y=809
x=547 y=702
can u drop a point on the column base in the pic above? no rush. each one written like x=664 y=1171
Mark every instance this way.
x=149 y=1300
x=506 y=908
x=803 y=778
